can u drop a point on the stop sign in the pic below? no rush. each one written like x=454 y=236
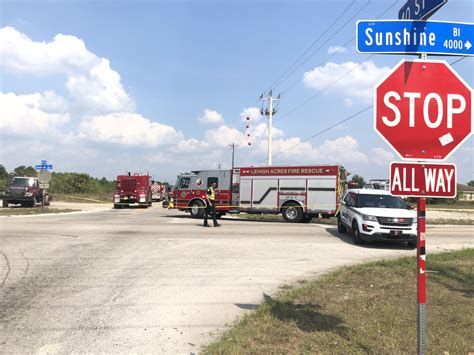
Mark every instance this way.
x=423 y=110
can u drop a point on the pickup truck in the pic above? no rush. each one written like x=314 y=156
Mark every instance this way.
x=375 y=215
x=25 y=191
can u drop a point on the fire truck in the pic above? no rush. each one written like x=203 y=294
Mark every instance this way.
x=132 y=190
x=299 y=193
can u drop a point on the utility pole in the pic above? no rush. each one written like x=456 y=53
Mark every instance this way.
x=233 y=146
x=269 y=112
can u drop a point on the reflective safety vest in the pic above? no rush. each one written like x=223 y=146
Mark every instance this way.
x=211 y=194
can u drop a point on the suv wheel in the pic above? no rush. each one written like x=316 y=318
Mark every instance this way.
x=340 y=226
x=356 y=233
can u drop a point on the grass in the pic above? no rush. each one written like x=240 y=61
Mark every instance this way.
x=84 y=198
x=365 y=309
x=17 y=211
x=449 y=221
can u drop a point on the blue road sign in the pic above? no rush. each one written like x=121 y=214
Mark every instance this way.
x=415 y=37
x=44 y=167
x=420 y=9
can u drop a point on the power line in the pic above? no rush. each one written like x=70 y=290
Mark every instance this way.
x=325 y=130
x=342 y=121
x=324 y=43
x=311 y=98
x=273 y=84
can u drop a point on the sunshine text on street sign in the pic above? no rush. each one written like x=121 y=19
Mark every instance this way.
x=420 y=9
x=423 y=180
x=415 y=37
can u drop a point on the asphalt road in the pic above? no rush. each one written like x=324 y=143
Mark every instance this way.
x=155 y=281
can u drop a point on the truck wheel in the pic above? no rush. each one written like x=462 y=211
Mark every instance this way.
x=356 y=233
x=340 y=226
x=292 y=212
x=196 y=209
x=5 y=203
x=47 y=202
x=307 y=218
x=117 y=205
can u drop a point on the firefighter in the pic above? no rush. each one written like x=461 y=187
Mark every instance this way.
x=210 y=205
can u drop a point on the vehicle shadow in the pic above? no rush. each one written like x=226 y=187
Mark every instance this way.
x=347 y=238
x=306 y=316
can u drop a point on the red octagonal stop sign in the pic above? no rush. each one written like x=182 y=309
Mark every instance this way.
x=423 y=110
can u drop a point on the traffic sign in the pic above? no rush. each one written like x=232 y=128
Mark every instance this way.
x=423 y=180
x=44 y=167
x=44 y=176
x=415 y=37
x=420 y=9
x=423 y=110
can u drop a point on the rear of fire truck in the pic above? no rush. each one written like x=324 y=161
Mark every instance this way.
x=132 y=190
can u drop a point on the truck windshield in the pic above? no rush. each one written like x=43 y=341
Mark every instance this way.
x=380 y=201
x=22 y=182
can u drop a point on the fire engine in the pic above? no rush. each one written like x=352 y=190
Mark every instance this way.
x=299 y=193
x=132 y=190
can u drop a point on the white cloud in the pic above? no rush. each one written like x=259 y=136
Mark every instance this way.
x=128 y=129
x=253 y=113
x=354 y=81
x=211 y=117
x=336 y=49
x=382 y=157
x=94 y=87
x=38 y=113
x=224 y=135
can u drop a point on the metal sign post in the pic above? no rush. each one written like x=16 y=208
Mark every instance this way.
x=421 y=273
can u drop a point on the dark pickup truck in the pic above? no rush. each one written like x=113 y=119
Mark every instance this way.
x=25 y=191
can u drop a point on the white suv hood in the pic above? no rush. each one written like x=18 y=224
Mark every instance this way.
x=387 y=212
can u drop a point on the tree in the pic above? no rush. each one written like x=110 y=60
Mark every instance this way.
x=471 y=183
x=24 y=171
x=359 y=180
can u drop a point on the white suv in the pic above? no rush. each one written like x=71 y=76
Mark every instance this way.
x=375 y=215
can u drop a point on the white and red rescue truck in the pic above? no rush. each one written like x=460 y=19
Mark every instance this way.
x=299 y=193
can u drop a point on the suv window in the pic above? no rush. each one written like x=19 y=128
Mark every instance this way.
x=350 y=199
x=381 y=201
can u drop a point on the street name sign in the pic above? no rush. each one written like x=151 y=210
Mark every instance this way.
x=415 y=37
x=420 y=9
x=423 y=110
x=423 y=179
x=44 y=166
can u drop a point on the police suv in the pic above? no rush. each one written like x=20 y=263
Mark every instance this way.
x=375 y=215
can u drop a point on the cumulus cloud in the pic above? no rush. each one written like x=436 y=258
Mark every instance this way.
x=354 y=81
x=381 y=156
x=93 y=85
x=252 y=112
x=211 y=117
x=336 y=49
x=129 y=129
x=22 y=114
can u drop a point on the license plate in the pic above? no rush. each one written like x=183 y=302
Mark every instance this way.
x=395 y=233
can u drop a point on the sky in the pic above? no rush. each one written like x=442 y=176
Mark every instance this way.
x=106 y=87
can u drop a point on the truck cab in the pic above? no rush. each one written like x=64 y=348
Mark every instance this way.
x=26 y=191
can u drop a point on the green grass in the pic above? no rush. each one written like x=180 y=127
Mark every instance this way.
x=84 y=198
x=17 y=211
x=365 y=309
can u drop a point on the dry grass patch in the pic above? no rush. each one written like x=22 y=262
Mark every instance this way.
x=369 y=308
x=18 y=211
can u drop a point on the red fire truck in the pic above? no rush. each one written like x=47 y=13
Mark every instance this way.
x=132 y=190
x=299 y=193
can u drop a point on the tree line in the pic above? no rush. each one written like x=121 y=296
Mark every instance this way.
x=62 y=183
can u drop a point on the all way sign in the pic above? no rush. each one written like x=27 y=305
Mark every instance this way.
x=423 y=180
x=415 y=37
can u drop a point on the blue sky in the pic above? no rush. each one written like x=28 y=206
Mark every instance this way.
x=115 y=86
